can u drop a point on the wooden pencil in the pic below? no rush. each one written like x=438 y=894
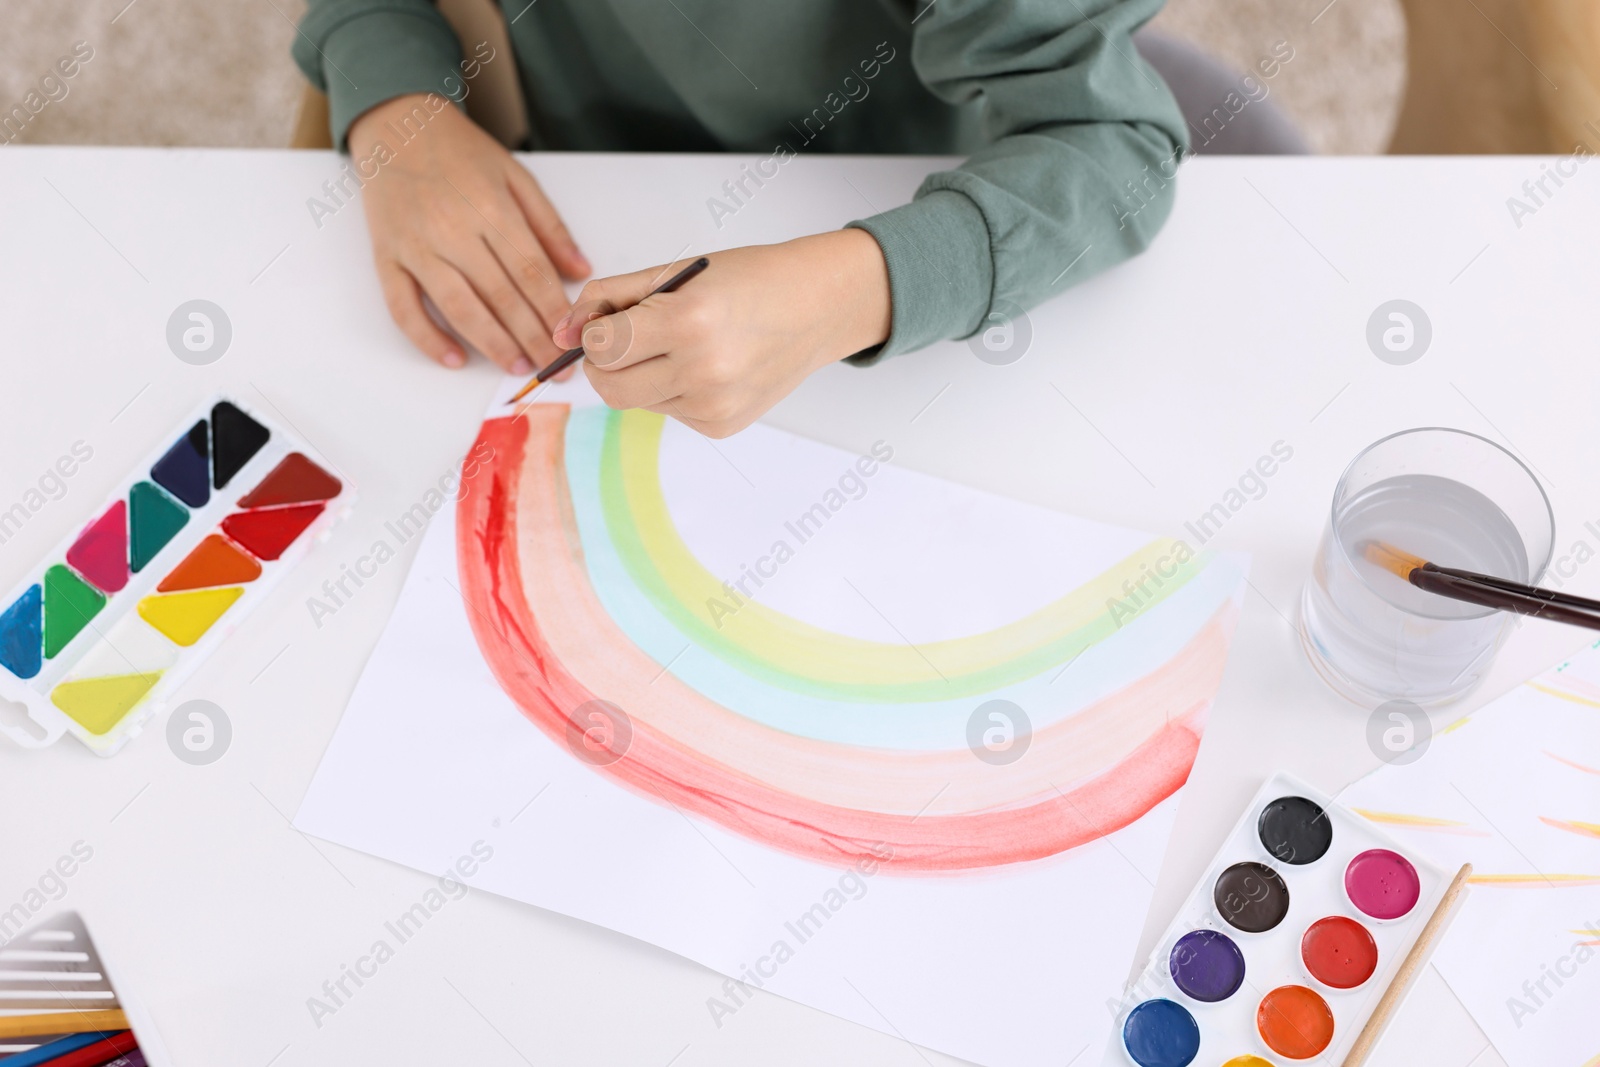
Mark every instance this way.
x=62 y=1022
x=1408 y=970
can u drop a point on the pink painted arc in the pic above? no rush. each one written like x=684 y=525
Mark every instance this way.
x=664 y=771
x=100 y=554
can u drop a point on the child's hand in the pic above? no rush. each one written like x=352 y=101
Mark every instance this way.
x=717 y=353
x=454 y=216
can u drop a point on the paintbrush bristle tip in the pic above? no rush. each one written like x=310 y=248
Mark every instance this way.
x=1390 y=558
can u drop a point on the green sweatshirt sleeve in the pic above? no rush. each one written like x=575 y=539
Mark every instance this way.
x=1083 y=139
x=363 y=52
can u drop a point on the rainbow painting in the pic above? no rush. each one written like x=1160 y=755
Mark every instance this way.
x=803 y=714
x=602 y=624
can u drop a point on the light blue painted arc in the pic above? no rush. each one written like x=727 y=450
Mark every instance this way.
x=1127 y=655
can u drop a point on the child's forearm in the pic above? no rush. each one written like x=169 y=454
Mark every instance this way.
x=364 y=52
x=1079 y=179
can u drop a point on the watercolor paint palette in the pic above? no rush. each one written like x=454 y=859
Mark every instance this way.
x=1283 y=950
x=121 y=612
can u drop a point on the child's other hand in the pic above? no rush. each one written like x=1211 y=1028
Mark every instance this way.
x=454 y=216
x=717 y=353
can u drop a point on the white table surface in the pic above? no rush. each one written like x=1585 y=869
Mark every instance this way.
x=1145 y=394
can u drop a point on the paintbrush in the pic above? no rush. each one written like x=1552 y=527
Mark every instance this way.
x=572 y=355
x=1484 y=589
x=1390 y=1001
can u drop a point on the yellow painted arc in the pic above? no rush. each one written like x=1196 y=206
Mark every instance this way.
x=1050 y=634
x=98 y=704
x=185 y=617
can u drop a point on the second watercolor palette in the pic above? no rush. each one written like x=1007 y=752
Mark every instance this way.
x=1282 y=952
x=122 y=611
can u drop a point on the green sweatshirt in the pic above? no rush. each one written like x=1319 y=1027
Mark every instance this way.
x=1070 y=137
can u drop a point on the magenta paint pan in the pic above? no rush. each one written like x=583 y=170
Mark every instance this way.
x=1261 y=960
x=1382 y=884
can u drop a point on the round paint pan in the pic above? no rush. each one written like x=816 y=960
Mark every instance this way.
x=1295 y=1022
x=1339 y=952
x=1382 y=884
x=1206 y=966
x=1251 y=897
x=1161 y=1033
x=1295 y=830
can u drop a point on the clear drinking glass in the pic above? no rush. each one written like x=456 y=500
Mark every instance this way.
x=1452 y=498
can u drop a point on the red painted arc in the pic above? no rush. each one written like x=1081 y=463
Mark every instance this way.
x=658 y=769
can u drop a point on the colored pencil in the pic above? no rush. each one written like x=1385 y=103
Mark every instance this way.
x=98 y=1054
x=53 y=1050
x=62 y=1022
x=1409 y=967
x=1484 y=589
x=572 y=355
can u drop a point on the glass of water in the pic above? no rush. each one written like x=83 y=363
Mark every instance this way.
x=1452 y=498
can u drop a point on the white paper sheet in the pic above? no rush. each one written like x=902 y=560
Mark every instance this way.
x=1514 y=789
x=1009 y=965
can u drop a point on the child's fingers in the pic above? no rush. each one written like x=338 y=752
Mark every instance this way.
x=658 y=324
x=536 y=278
x=546 y=224
x=650 y=383
x=466 y=311
x=605 y=296
x=614 y=343
x=404 y=297
x=487 y=275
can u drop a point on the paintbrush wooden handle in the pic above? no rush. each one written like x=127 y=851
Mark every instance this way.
x=1408 y=970
x=62 y=1022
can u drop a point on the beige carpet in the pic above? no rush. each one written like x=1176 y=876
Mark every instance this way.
x=164 y=72
x=1343 y=86
x=217 y=72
